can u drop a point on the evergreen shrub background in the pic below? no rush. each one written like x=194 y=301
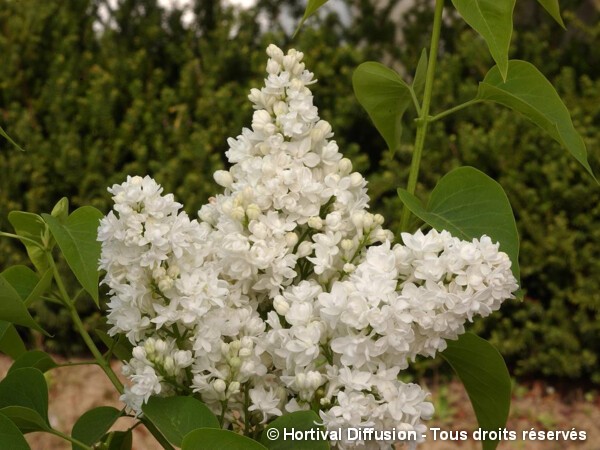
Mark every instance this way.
x=151 y=96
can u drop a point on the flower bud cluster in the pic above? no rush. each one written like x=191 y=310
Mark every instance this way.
x=287 y=293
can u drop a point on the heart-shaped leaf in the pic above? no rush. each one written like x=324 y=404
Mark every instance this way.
x=385 y=96
x=300 y=421
x=486 y=379
x=11 y=343
x=214 y=439
x=10 y=436
x=468 y=204
x=527 y=91
x=77 y=239
x=175 y=417
x=492 y=19
x=24 y=399
x=93 y=425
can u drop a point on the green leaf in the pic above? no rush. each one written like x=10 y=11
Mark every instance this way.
x=486 y=379
x=118 y=440
x=11 y=343
x=30 y=226
x=121 y=347
x=492 y=19
x=13 y=309
x=311 y=7
x=299 y=420
x=213 y=439
x=8 y=138
x=35 y=358
x=77 y=239
x=418 y=83
x=26 y=390
x=385 y=96
x=40 y=288
x=22 y=279
x=10 y=436
x=526 y=90
x=553 y=8
x=468 y=204
x=175 y=417
x=26 y=419
x=94 y=424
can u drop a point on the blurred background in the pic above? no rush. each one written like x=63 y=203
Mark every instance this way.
x=95 y=90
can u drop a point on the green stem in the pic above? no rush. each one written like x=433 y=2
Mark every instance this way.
x=81 y=329
x=453 y=110
x=22 y=239
x=82 y=363
x=72 y=440
x=423 y=119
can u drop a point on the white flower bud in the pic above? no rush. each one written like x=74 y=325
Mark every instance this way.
x=150 y=346
x=296 y=85
x=219 y=386
x=280 y=108
x=169 y=365
x=244 y=352
x=224 y=348
x=358 y=219
x=158 y=273
x=273 y=67
x=139 y=352
x=280 y=305
x=275 y=52
x=347 y=244
x=368 y=221
x=313 y=380
x=349 y=268
x=378 y=219
x=344 y=167
x=380 y=235
x=173 y=271
x=304 y=249
x=247 y=342
x=227 y=206
x=300 y=381
x=165 y=283
x=291 y=239
x=223 y=178
x=356 y=179
x=160 y=346
x=234 y=347
x=315 y=222
x=136 y=180
x=234 y=388
x=235 y=363
x=238 y=213
x=288 y=62
x=255 y=95
x=253 y=211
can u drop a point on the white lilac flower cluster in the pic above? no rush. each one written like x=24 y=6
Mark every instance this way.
x=287 y=294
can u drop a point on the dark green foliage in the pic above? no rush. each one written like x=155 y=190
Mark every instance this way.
x=150 y=96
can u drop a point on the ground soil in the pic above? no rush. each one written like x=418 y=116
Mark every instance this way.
x=74 y=390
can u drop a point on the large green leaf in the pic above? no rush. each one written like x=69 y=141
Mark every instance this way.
x=527 y=91
x=385 y=96
x=175 y=417
x=27 y=283
x=13 y=309
x=213 y=439
x=486 y=379
x=10 y=436
x=77 y=239
x=492 y=19
x=468 y=204
x=24 y=398
x=553 y=9
x=91 y=427
x=30 y=226
x=11 y=343
x=300 y=421
x=34 y=358
x=311 y=7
